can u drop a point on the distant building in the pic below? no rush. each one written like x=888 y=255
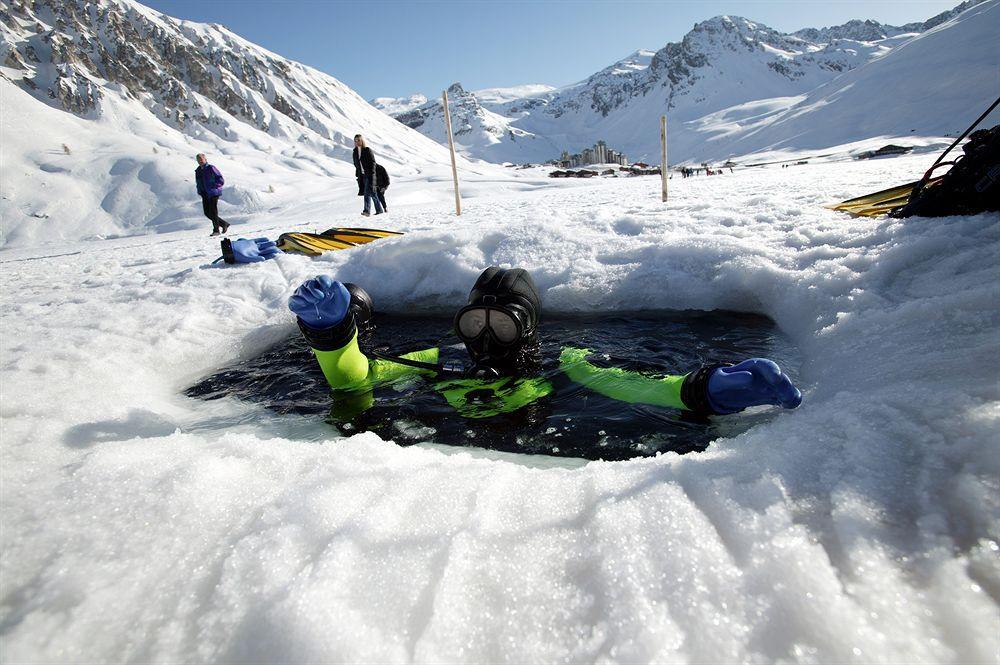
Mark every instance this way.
x=600 y=153
x=885 y=150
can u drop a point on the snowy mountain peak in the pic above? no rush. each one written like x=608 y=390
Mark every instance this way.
x=636 y=61
x=397 y=105
x=735 y=33
x=862 y=31
x=723 y=62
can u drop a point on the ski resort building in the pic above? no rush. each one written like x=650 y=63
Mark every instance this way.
x=600 y=153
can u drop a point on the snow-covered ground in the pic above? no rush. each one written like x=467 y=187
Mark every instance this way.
x=139 y=525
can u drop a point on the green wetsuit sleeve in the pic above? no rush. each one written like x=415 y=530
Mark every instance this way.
x=621 y=384
x=344 y=367
x=347 y=367
x=383 y=371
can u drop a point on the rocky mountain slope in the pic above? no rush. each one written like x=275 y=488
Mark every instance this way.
x=724 y=62
x=76 y=54
x=106 y=102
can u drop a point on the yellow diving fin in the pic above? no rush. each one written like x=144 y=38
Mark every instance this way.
x=314 y=244
x=879 y=203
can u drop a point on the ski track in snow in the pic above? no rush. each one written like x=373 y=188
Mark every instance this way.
x=143 y=526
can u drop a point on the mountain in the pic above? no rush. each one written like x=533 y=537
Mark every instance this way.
x=872 y=30
x=727 y=62
x=493 y=134
x=935 y=84
x=133 y=94
x=396 y=105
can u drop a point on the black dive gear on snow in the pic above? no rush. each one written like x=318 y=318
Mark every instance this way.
x=227 y=252
x=501 y=317
x=971 y=186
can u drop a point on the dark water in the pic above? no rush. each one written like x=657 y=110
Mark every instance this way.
x=572 y=421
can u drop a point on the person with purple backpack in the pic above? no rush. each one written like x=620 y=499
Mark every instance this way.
x=209 y=181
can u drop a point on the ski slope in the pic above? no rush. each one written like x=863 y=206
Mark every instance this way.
x=143 y=526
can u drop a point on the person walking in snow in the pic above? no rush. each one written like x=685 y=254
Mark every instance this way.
x=364 y=169
x=209 y=181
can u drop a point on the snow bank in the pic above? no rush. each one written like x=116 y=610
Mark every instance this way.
x=141 y=525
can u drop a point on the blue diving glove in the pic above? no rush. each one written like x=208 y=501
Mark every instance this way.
x=251 y=251
x=321 y=302
x=751 y=383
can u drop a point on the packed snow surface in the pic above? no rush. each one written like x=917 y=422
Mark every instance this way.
x=143 y=526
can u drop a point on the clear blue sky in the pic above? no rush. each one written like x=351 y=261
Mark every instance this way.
x=392 y=49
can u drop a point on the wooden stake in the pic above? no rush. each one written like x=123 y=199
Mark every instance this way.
x=451 y=147
x=663 y=144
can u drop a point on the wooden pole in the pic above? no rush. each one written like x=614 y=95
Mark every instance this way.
x=663 y=144
x=451 y=147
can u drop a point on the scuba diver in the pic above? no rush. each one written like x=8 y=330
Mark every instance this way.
x=499 y=329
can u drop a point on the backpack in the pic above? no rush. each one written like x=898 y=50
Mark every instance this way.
x=381 y=177
x=971 y=186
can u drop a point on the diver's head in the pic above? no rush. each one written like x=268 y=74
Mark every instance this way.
x=501 y=319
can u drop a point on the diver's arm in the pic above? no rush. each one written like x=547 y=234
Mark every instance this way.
x=384 y=370
x=711 y=389
x=348 y=367
x=621 y=384
x=323 y=307
x=337 y=352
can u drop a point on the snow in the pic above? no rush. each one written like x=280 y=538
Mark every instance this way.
x=141 y=525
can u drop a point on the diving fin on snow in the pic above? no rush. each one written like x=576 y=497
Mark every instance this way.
x=879 y=203
x=314 y=244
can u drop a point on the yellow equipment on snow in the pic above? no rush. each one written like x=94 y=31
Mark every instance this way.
x=314 y=244
x=879 y=203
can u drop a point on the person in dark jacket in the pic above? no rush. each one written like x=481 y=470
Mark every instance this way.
x=364 y=170
x=210 y=182
x=381 y=184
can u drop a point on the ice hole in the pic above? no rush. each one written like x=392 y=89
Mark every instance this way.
x=571 y=421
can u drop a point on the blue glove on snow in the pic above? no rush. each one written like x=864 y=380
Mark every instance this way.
x=321 y=302
x=751 y=383
x=253 y=251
